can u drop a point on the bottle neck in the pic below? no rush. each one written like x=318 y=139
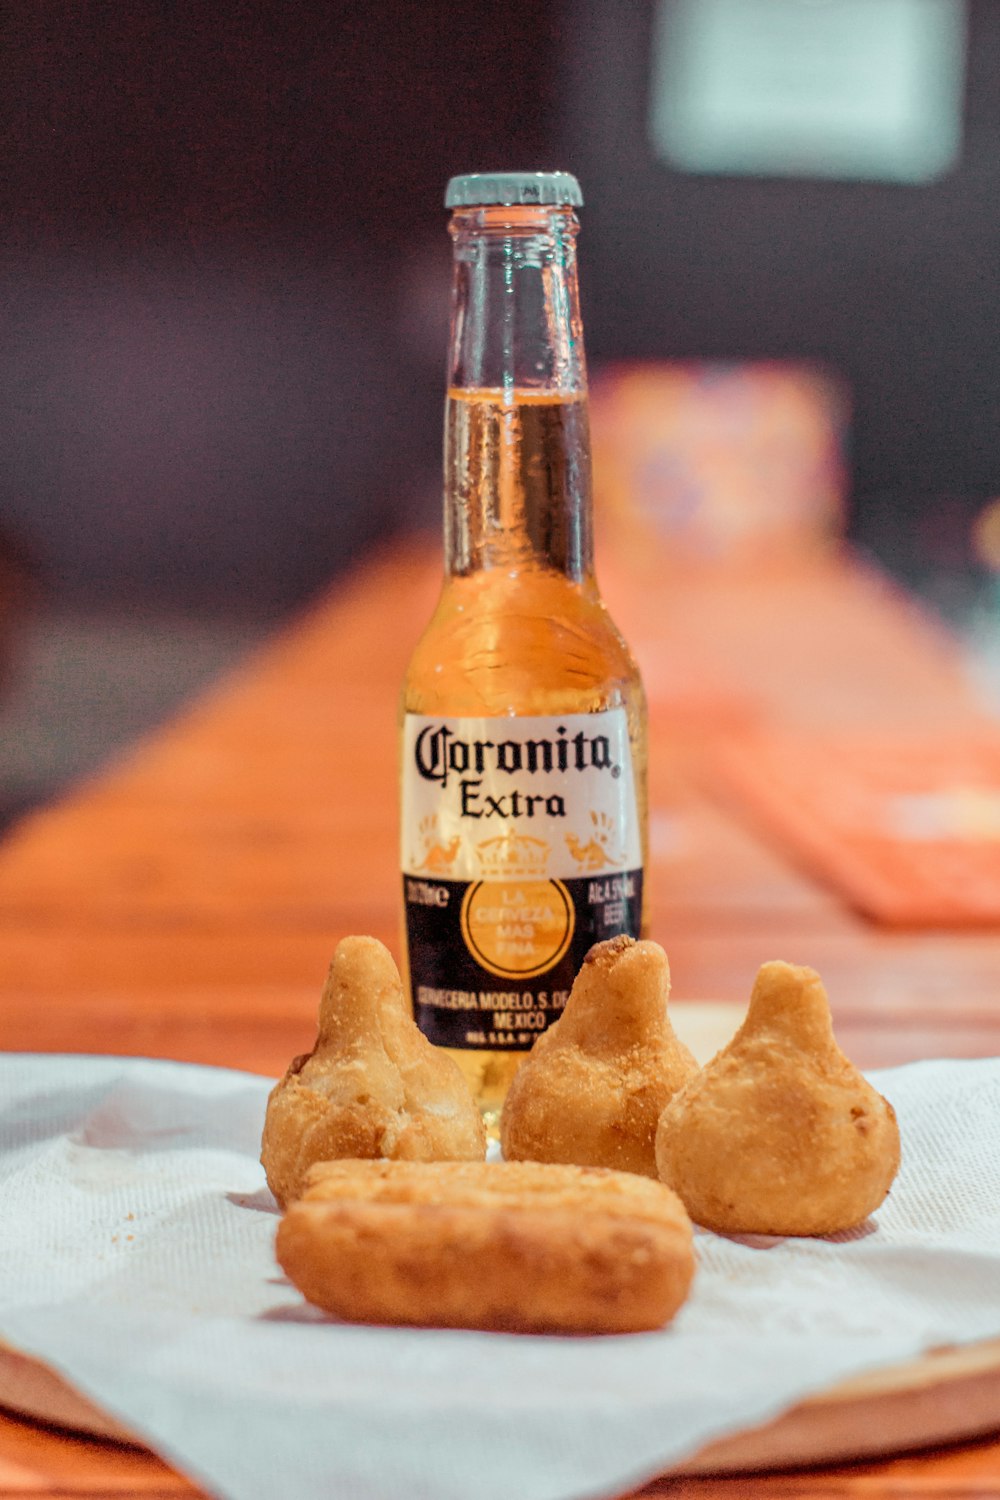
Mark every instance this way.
x=517 y=443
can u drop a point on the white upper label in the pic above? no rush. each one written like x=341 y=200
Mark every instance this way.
x=519 y=797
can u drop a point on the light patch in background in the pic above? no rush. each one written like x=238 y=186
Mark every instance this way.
x=956 y=812
x=850 y=89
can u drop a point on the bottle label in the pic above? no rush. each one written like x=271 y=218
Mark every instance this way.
x=520 y=849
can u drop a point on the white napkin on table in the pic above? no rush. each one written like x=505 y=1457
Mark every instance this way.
x=136 y=1241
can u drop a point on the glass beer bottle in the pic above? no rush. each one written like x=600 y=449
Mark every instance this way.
x=523 y=716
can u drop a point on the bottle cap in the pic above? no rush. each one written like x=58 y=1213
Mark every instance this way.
x=479 y=189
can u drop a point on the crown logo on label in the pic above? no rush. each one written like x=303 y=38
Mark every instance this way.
x=513 y=855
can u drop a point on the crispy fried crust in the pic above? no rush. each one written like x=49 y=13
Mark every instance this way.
x=522 y=1247
x=373 y=1085
x=595 y=1084
x=780 y=1133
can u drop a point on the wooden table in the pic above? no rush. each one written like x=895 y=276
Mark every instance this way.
x=185 y=903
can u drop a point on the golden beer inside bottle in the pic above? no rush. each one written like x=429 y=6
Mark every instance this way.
x=517 y=480
x=520 y=628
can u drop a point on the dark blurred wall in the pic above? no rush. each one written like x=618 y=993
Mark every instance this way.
x=896 y=287
x=225 y=254
x=226 y=276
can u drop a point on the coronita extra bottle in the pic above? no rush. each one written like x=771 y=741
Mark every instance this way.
x=523 y=718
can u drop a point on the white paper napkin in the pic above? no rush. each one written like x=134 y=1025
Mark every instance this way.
x=136 y=1244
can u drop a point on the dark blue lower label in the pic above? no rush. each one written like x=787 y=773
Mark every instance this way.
x=492 y=962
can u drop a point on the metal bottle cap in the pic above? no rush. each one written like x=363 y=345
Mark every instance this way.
x=479 y=189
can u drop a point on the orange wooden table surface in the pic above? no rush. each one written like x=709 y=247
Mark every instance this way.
x=185 y=903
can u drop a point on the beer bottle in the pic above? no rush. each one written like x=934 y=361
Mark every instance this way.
x=523 y=715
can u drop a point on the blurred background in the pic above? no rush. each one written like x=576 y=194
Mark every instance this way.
x=227 y=275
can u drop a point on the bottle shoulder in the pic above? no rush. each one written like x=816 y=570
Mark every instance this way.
x=500 y=645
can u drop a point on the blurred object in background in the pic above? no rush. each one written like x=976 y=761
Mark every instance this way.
x=799 y=247
x=887 y=285
x=855 y=89
x=905 y=827
x=733 y=465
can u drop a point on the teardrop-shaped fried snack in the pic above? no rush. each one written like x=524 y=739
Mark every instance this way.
x=780 y=1133
x=520 y=1246
x=373 y=1085
x=595 y=1084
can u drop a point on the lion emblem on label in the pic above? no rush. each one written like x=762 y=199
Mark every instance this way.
x=437 y=857
x=596 y=853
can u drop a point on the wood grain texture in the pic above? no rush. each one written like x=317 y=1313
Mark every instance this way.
x=185 y=903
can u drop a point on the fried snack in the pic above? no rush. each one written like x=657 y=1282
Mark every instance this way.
x=594 y=1085
x=515 y=1246
x=780 y=1133
x=373 y=1086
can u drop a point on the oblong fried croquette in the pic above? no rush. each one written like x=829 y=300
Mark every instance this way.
x=521 y=1247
